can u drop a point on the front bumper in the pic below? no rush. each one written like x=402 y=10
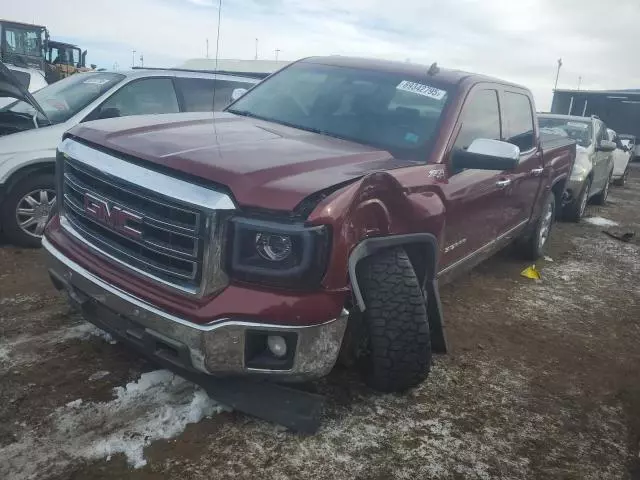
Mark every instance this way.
x=217 y=349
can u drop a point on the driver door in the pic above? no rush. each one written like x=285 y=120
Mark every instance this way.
x=475 y=198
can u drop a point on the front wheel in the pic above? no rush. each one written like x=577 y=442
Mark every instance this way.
x=601 y=198
x=575 y=210
x=394 y=346
x=27 y=208
x=533 y=247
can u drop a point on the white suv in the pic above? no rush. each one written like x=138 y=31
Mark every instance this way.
x=32 y=126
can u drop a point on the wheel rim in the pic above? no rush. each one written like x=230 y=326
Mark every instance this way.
x=32 y=211
x=545 y=226
x=584 y=200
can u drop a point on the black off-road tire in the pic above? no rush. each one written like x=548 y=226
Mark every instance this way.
x=396 y=353
x=530 y=246
x=573 y=211
x=10 y=227
x=601 y=198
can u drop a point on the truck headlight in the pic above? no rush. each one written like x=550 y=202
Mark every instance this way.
x=274 y=247
x=277 y=253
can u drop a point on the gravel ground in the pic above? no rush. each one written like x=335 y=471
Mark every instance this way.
x=542 y=382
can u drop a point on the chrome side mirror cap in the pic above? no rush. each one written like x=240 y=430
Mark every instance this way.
x=487 y=154
x=494 y=148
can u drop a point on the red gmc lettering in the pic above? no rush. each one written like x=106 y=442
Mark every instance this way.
x=115 y=217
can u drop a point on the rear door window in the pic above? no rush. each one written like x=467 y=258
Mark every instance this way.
x=197 y=93
x=518 y=121
x=144 y=97
x=480 y=118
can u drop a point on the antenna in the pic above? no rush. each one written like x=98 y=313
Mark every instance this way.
x=215 y=75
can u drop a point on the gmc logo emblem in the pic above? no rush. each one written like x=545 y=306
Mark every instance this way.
x=115 y=217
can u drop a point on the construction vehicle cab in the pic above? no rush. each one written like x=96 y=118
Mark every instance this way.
x=22 y=44
x=63 y=59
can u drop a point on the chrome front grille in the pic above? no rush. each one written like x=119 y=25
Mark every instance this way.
x=157 y=226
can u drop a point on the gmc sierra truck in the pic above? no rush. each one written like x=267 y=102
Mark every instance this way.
x=312 y=219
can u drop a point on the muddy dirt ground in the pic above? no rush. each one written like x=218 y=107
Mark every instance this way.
x=543 y=381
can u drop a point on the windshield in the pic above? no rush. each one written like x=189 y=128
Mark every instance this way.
x=580 y=131
x=382 y=109
x=63 y=99
x=22 y=41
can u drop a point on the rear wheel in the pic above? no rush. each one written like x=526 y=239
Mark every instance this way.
x=533 y=247
x=393 y=348
x=622 y=181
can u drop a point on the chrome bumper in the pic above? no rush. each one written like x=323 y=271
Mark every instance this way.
x=216 y=349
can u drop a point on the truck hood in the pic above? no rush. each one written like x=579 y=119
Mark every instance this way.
x=12 y=88
x=263 y=164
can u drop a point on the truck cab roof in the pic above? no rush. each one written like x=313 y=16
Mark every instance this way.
x=441 y=75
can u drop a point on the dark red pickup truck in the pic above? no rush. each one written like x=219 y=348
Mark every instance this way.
x=315 y=217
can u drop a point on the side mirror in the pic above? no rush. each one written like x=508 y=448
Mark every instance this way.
x=237 y=93
x=486 y=154
x=110 y=112
x=606 y=146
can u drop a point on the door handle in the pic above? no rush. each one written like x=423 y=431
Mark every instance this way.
x=503 y=183
x=536 y=172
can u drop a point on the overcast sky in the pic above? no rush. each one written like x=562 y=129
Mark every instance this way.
x=518 y=40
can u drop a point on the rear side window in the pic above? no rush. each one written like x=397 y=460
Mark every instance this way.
x=144 y=97
x=518 y=121
x=480 y=119
x=197 y=93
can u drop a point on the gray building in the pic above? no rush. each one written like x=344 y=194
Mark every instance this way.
x=619 y=109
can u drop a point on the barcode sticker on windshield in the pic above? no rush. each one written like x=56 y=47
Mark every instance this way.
x=420 y=89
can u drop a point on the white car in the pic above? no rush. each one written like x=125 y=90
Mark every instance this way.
x=32 y=127
x=621 y=159
x=630 y=142
x=30 y=78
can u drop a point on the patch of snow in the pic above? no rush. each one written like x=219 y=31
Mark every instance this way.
x=98 y=375
x=107 y=337
x=23 y=349
x=18 y=299
x=159 y=405
x=600 y=221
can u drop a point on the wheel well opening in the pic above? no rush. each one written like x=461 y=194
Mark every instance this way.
x=17 y=176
